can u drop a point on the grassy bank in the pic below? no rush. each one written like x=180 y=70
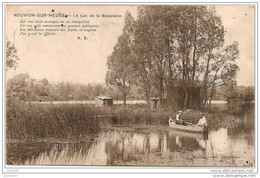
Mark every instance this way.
x=27 y=121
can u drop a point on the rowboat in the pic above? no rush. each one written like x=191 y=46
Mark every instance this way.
x=185 y=134
x=188 y=128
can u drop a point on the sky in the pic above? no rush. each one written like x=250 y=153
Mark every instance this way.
x=65 y=58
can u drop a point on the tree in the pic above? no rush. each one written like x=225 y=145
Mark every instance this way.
x=45 y=81
x=98 y=90
x=174 y=42
x=19 y=85
x=175 y=47
x=143 y=57
x=120 y=68
x=248 y=96
x=11 y=56
x=153 y=49
x=200 y=33
x=224 y=69
x=215 y=40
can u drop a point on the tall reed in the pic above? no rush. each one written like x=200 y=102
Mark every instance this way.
x=25 y=121
x=37 y=121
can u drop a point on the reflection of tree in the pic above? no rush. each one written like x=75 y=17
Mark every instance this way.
x=126 y=149
x=189 y=143
x=172 y=144
x=241 y=131
x=113 y=151
x=123 y=149
x=178 y=142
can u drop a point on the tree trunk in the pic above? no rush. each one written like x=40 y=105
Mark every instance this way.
x=161 y=92
x=147 y=94
x=205 y=93
x=206 y=79
x=170 y=64
x=183 y=70
x=194 y=65
x=213 y=85
x=186 y=98
x=194 y=50
x=211 y=94
x=124 y=95
x=187 y=80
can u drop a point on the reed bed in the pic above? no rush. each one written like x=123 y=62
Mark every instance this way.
x=27 y=121
x=223 y=118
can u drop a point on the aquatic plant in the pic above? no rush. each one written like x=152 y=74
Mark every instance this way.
x=36 y=121
x=30 y=121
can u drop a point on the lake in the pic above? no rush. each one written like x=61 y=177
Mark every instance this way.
x=143 y=146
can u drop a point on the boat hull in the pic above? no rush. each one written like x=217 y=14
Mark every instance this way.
x=188 y=128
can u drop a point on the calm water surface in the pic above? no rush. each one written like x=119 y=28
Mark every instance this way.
x=145 y=146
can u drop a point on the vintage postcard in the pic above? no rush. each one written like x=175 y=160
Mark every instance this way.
x=162 y=85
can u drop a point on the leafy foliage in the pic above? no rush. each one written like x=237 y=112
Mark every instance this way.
x=169 y=46
x=25 y=88
x=11 y=56
x=119 y=66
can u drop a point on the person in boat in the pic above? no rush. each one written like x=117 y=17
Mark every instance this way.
x=178 y=119
x=171 y=120
x=202 y=121
x=178 y=116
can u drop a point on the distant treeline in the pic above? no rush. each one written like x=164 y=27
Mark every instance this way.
x=25 y=88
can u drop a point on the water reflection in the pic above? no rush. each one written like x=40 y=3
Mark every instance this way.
x=130 y=148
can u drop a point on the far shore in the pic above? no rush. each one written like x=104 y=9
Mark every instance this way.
x=115 y=102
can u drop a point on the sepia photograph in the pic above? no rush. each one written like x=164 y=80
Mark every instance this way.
x=161 y=85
